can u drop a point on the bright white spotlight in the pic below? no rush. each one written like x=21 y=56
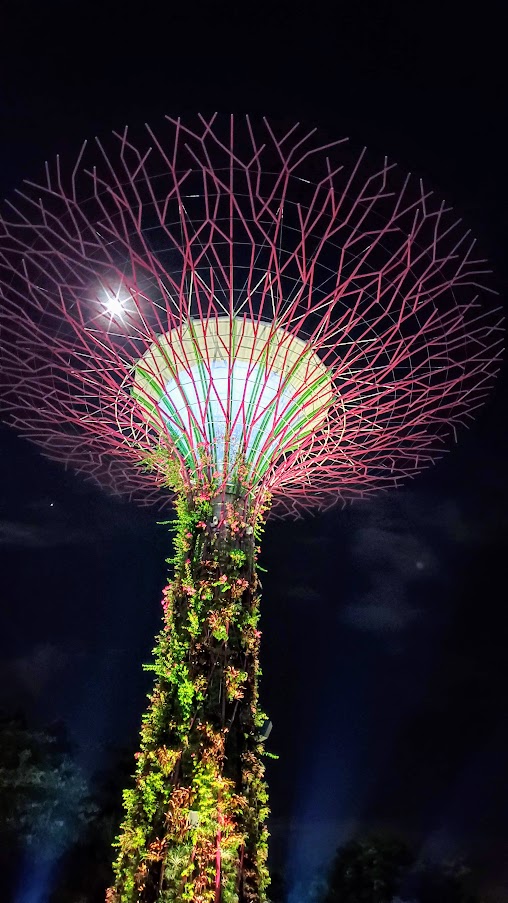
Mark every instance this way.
x=114 y=306
x=114 y=300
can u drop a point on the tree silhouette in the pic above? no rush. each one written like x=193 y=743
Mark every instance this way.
x=368 y=870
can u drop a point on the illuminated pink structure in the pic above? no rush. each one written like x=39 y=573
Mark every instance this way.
x=262 y=319
x=366 y=269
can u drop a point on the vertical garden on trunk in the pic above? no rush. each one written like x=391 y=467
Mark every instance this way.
x=195 y=819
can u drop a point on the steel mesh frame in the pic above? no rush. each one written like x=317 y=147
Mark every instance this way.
x=223 y=220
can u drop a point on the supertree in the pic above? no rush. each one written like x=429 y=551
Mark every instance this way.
x=242 y=321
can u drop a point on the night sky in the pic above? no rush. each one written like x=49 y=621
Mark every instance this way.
x=385 y=626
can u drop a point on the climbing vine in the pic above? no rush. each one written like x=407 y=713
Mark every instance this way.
x=195 y=820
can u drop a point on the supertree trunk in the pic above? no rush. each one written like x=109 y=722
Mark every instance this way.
x=194 y=826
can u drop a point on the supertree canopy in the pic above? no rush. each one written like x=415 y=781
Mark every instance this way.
x=242 y=321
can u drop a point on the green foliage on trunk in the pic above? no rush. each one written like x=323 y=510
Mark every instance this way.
x=195 y=821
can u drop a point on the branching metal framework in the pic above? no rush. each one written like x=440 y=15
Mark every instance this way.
x=275 y=315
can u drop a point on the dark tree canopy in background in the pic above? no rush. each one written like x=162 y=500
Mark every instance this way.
x=380 y=869
x=368 y=870
x=43 y=795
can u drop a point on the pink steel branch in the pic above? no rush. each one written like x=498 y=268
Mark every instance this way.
x=368 y=268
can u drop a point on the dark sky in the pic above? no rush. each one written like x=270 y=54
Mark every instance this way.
x=385 y=626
